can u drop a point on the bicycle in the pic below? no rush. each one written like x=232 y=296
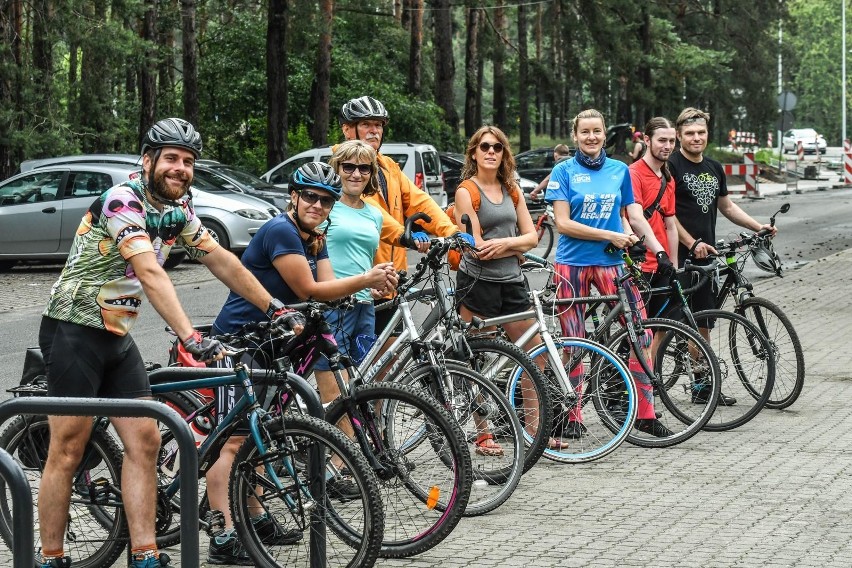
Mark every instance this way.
x=280 y=472
x=745 y=355
x=544 y=230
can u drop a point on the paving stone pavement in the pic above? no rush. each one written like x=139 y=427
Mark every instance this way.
x=774 y=492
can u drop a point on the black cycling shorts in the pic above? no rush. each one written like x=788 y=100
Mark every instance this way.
x=492 y=299
x=86 y=362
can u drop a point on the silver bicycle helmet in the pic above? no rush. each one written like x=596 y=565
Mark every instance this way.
x=316 y=175
x=172 y=132
x=764 y=256
x=363 y=108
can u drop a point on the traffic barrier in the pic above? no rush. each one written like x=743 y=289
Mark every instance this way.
x=188 y=471
x=800 y=151
x=847 y=162
x=749 y=171
x=769 y=140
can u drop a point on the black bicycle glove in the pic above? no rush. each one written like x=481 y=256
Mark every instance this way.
x=204 y=349
x=288 y=319
x=664 y=264
x=637 y=251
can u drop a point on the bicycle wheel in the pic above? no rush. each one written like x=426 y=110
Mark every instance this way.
x=789 y=357
x=425 y=475
x=96 y=533
x=525 y=385
x=351 y=533
x=746 y=364
x=490 y=425
x=685 y=381
x=545 y=237
x=584 y=432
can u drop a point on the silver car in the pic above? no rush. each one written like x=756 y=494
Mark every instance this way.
x=41 y=209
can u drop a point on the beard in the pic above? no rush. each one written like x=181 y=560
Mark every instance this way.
x=163 y=189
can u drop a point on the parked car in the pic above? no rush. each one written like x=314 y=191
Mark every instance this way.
x=451 y=166
x=40 y=210
x=420 y=162
x=210 y=175
x=811 y=141
x=535 y=164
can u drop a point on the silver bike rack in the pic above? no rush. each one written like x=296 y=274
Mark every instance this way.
x=23 y=541
x=22 y=510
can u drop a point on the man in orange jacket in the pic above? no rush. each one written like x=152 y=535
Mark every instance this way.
x=364 y=119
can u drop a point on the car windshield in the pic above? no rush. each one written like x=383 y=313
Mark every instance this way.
x=248 y=179
x=431 y=164
x=400 y=159
x=805 y=133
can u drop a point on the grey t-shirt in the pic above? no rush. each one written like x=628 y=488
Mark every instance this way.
x=495 y=221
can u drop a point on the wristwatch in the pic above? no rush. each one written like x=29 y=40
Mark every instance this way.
x=274 y=305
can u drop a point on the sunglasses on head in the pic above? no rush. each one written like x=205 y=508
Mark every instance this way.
x=363 y=169
x=692 y=120
x=485 y=146
x=310 y=198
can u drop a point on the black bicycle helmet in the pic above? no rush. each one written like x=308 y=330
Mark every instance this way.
x=316 y=175
x=172 y=132
x=363 y=108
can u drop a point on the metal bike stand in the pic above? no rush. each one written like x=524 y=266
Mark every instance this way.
x=61 y=406
x=316 y=475
x=22 y=510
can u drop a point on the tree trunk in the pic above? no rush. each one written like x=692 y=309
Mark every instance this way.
x=147 y=76
x=523 y=79
x=480 y=77
x=397 y=11
x=445 y=68
x=320 y=90
x=276 y=83
x=94 y=102
x=416 y=51
x=405 y=15
x=471 y=65
x=10 y=85
x=500 y=119
x=190 y=63
x=539 y=103
x=43 y=49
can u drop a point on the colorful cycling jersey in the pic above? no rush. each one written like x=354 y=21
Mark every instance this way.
x=98 y=287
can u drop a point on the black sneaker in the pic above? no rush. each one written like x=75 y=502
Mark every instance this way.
x=227 y=549
x=653 y=427
x=702 y=395
x=574 y=430
x=64 y=562
x=273 y=534
x=342 y=488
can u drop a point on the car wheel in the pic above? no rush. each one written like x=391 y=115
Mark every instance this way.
x=217 y=231
x=6 y=265
x=175 y=258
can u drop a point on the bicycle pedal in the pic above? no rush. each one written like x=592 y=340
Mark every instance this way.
x=215 y=522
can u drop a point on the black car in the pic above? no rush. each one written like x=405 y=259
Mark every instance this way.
x=535 y=164
x=451 y=166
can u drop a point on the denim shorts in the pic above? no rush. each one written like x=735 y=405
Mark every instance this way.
x=347 y=325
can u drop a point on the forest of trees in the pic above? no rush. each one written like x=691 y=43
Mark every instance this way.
x=263 y=79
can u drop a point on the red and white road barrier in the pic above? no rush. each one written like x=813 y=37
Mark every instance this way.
x=769 y=140
x=800 y=151
x=748 y=170
x=847 y=162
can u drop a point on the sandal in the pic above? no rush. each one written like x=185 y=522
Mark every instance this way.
x=557 y=444
x=484 y=448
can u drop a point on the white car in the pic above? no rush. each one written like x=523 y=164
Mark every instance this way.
x=419 y=162
x=807 y=136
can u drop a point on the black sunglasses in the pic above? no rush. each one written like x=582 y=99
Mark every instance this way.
x=363 y=169
x=485 y=146
x=310 y=198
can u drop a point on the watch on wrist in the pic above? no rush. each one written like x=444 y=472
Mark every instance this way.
x=274 y=305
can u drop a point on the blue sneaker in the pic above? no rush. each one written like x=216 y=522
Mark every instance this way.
x=63 y=562
x=147 y=560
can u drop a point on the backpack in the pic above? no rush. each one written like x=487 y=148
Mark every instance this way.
x=453 y=255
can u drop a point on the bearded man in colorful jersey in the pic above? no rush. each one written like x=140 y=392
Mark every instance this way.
x=117 y=255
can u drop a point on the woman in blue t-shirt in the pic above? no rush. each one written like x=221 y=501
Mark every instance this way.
x=289 y=256
x=593 y=206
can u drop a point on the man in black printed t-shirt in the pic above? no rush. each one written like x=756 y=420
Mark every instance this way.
x=700 y=192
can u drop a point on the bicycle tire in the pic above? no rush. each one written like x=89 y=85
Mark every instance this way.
x=97 y=531
x=789 y=357
x=514 y=365
x=477 y=404
x=353 y=526
x=408 y=419
x=746 y=365
x=605 y=381
x=673 y=382
x=545 y=237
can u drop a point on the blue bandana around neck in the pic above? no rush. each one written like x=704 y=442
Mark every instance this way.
x=591 y=163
